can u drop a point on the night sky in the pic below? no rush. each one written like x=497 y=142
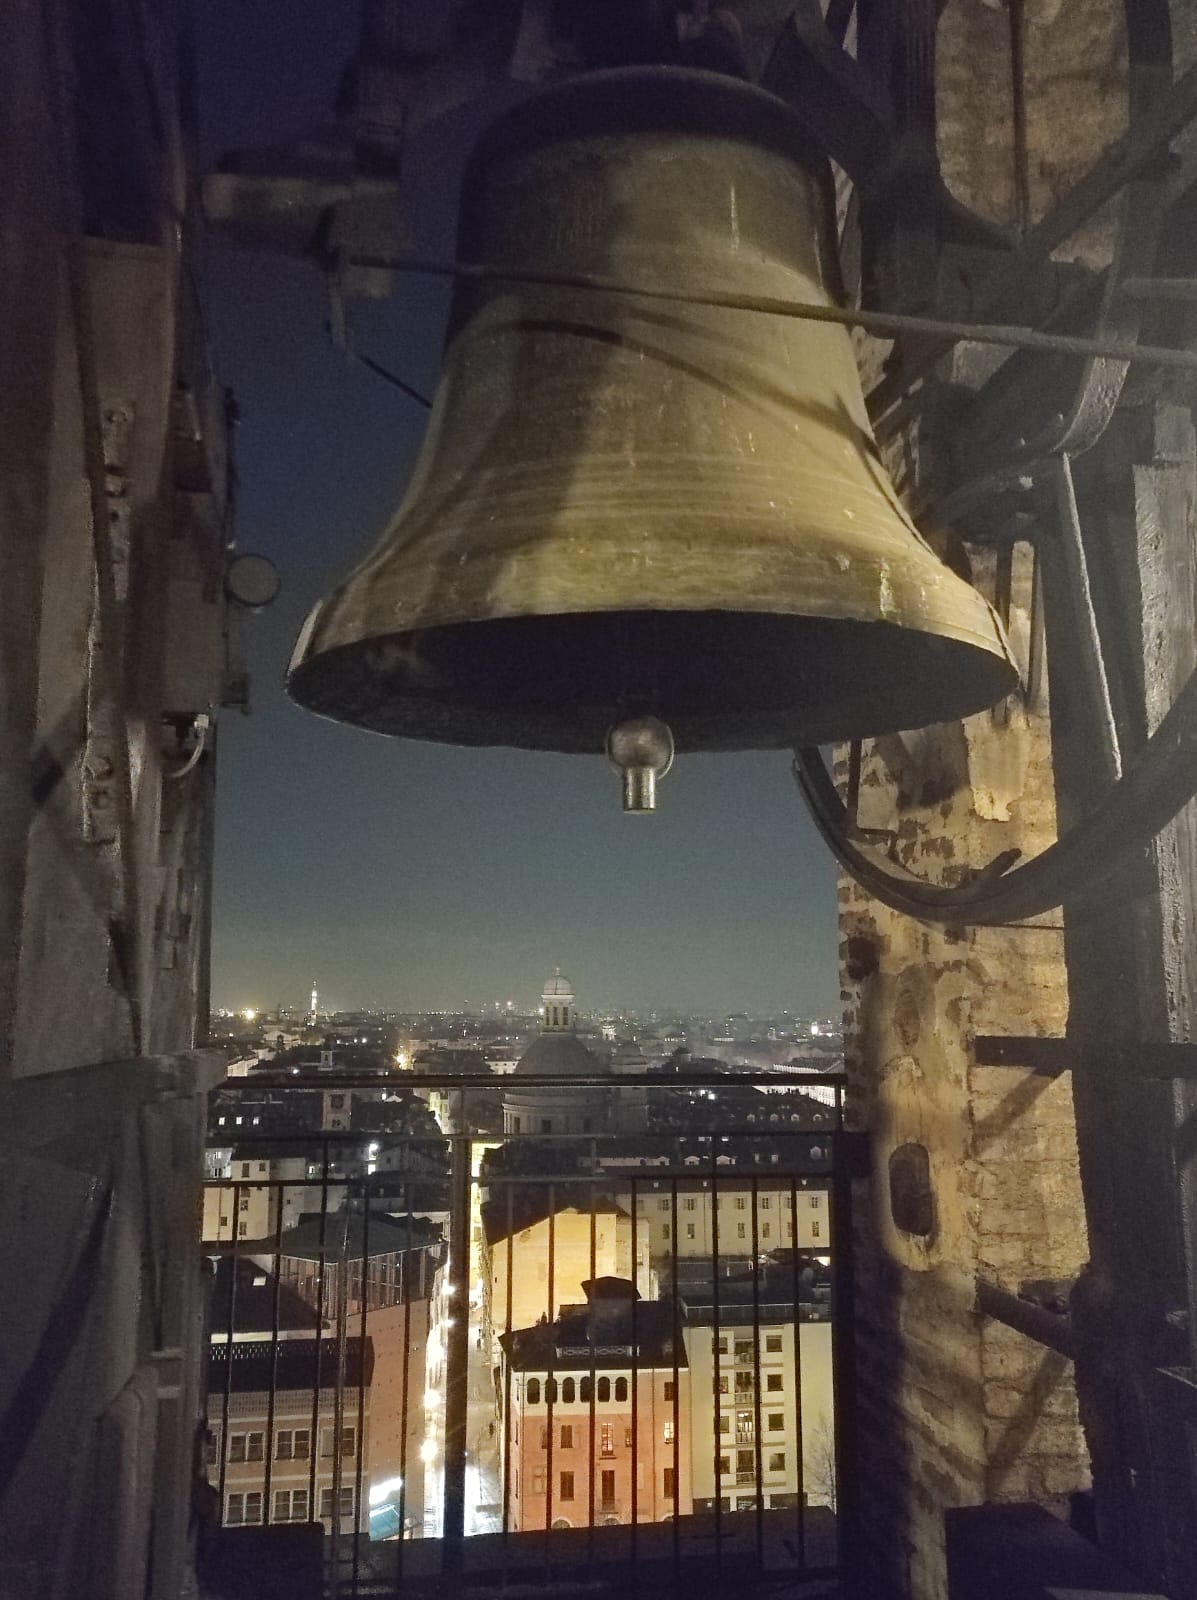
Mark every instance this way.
x=413 y=875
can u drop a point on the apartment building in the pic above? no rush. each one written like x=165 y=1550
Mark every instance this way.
x=761 y=1422
x=599 y=1414
x=285 y=1439
x=731 y=1216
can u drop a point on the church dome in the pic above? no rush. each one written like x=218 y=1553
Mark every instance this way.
x=562 y=1053
x=558 y=988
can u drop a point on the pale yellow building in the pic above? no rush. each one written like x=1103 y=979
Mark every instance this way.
x=546 y=1260
x=786 y=1216
x=748 y=1383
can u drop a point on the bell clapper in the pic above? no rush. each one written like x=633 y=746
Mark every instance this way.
x=642 y=750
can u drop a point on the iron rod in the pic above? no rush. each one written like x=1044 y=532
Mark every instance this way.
x=1024 y=1316
x=885 y=324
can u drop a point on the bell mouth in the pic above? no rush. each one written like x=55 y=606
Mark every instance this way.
x=722 y=680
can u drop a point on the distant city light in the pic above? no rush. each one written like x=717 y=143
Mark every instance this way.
x=249 y=1014
x=428 y=1451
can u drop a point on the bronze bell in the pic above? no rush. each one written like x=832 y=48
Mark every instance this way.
x=625 y=506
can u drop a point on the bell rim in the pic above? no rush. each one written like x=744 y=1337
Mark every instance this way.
x=971 y=674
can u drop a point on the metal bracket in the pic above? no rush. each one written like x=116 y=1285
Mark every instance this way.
x=103 y=749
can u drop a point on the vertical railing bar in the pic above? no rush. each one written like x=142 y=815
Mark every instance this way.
x=457 y=1350
x=361 y=1388
x=677 y=1339
x=758 y=1447
x=342 y=1316
x=635 y=1462
x=718 y=1507
x=271 y=1393
x=843 y=1341
x=800 y=1465
x=314 y=1441
x=550 y=1378
x=509 y=1290
x=404 y=1394
x=507 y=1380
x=592 y=1452
x=229 y=1331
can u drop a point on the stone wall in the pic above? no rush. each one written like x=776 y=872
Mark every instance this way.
x=955 y=1409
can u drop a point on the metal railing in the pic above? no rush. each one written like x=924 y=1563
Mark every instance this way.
x=518 y=1361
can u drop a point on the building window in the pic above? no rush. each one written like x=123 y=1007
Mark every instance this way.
x=777 y=1421
x=741 y=1230
x=345 y=1504
x=242 y=1230
x=546 y=1124
x=721 y=1384
x=664 y=1230
x=741 y=1202
x=292 y=1444
x=773 y=1382
x=815 y=1201
x=724 y=1424
x=814 y=1230
x=539 y=1480
x=627 y=1438
x=336 y=1101
x=607 y=1438
x=567 y=1436
x=607 y=1490
x=667 y=1487
x=764 y=1230
x=515 y=1124
x=621 y=1389
x=663 y=1205
x=550 y=1391
x=777 y=1461
x=743 y=1382
x=348 y=1441
x=668 y=1432
x=212 y=1446
x=290 y=1505
x=533 y=1391
x=567 y=1486
x=568 y=1390
x=244 y=1510
x=721 y=1344
x=689 y=1230
x=690 y=1203
x=585 y=1391
x=745 y=1461
x=766 y=1203
x=773 y=1343
x=244 y=1206
x=724 y=1469
x=604 y=1390
x=544 y=1436
x=667 y=1392
x=789 y=1202
x=246 y=1446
